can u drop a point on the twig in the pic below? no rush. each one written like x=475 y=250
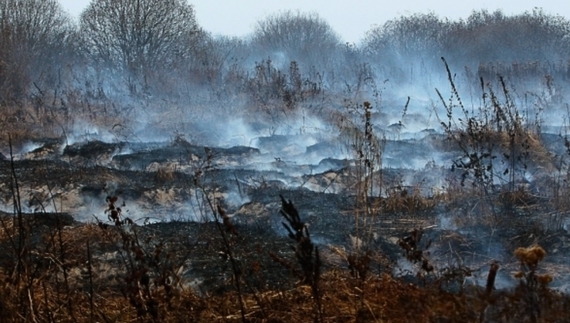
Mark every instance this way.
x=90 y=272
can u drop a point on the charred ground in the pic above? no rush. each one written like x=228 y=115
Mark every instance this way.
x=169 y=242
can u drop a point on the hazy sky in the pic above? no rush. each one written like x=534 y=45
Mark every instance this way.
x=351 y=19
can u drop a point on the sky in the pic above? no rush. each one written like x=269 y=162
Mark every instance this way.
x=350 y=19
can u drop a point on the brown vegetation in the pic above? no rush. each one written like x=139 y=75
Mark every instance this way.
x=180 y=80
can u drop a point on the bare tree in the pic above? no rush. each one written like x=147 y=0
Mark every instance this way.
x=138 y=36
x=493 y=36
x=301 y=37
x=219 y=63
x=34 y=35
x=418 y=35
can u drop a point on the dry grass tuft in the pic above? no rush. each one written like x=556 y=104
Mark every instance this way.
x=530 y=256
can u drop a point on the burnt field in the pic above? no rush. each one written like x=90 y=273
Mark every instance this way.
x=164 y=226
x=153 y=172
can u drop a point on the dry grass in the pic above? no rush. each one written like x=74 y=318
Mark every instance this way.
x=402 y=201
x=103 y=273
x=114 y=273
x=47 y=116
x=386 y=300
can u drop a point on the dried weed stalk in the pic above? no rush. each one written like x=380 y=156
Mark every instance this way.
x=306 y=253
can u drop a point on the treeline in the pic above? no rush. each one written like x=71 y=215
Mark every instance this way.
x=124 y=50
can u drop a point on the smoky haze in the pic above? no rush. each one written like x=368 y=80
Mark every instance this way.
x=94 y=80
x=290 y=102
x=294 y=67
